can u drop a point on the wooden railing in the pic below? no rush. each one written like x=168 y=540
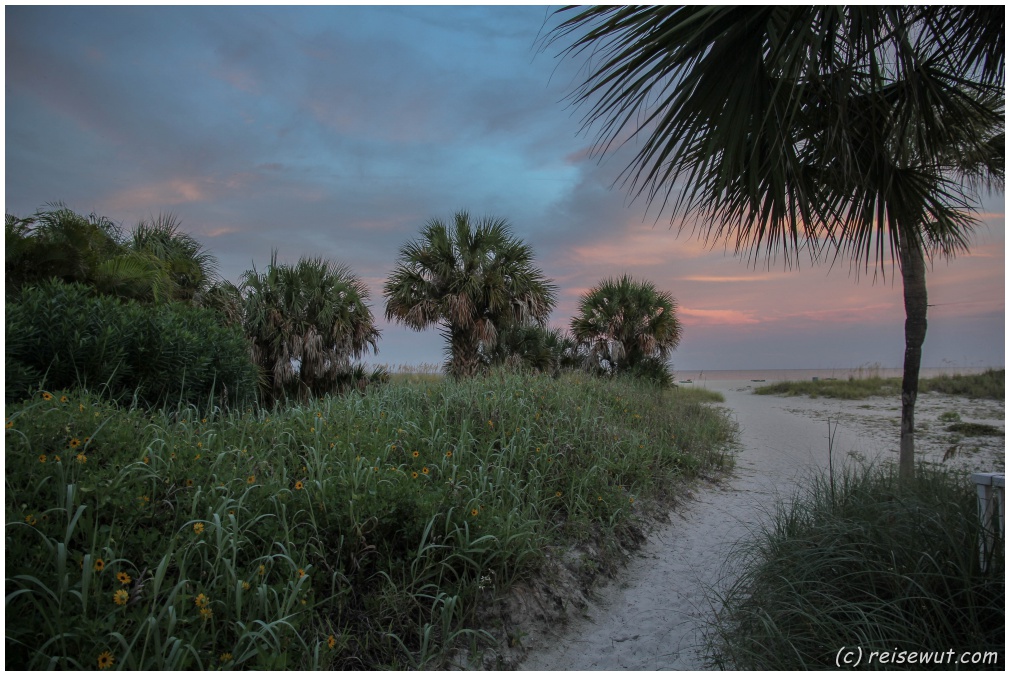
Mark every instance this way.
x=991 y=502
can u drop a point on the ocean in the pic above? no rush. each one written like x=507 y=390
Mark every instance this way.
x=771 y=375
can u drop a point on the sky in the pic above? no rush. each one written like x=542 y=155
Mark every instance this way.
x=340 y=131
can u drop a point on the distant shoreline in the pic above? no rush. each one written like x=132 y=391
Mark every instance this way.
x=772 y=375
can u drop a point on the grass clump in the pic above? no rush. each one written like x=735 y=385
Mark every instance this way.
x=986 y=385
x=852 y=388
x=868 y=562
x=990 y=384
x=361 y=531
x=971 y=429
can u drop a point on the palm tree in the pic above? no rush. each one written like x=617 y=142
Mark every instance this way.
x=624 y=323
x=188 y=268
x=864 y=133
x=58 y=243
x=224 y=298
x=540 y=348
x=473 y=279
x=306 y=322
x=156 y=263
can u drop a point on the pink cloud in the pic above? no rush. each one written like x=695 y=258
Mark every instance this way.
x=222 y=231
x=728 y=278
x=639 y=245
x=847 y=315
x=716 y=317
x=170 y=192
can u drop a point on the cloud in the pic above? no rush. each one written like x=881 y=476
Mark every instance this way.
x=222 y=231
x=171 y=192
x=716 y=317
x=727 y=278
x=638 y=245
x=338 y=131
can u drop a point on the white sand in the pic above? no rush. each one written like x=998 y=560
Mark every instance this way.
x=655 y=614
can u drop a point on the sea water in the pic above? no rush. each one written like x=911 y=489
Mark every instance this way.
x=773 y=375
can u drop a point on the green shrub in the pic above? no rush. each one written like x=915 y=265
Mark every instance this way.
x=359 y=531
x=62 y=336
x=869 y=562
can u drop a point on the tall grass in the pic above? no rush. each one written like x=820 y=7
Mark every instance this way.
x=987 y=385
x=353 y=532
x=874 y=563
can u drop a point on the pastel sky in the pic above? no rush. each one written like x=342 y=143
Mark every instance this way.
x=339 y=131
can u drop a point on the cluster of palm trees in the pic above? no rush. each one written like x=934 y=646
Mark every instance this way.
x=307 y=323
x=478 y=283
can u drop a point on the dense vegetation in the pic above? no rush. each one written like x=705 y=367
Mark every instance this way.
x=65 y=336
x=989 y=384
x=349 y=532
x=874 y=562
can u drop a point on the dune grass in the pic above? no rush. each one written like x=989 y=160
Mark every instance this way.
x=361 y=531
x=987 y=385
x=869 y=562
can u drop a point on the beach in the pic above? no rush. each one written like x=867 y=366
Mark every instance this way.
x=654 y=614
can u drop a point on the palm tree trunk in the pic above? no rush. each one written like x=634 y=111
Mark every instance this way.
x=465 y=355
x=913 y=278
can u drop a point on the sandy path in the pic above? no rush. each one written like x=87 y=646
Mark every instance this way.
x=653 y=616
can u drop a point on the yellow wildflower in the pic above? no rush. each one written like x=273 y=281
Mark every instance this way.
x=197 y=528
x=47 y=396
x=121 y=597
x=105 y=660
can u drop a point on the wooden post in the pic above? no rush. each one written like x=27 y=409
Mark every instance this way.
x=991 y=498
